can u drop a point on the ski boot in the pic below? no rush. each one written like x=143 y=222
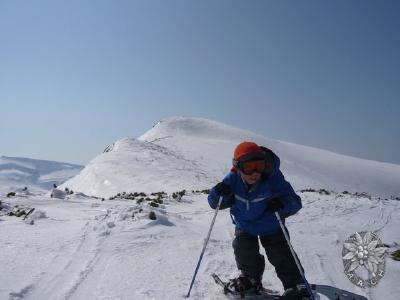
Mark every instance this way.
x=245 y=284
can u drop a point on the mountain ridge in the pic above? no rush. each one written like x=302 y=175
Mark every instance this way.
x=195 y=153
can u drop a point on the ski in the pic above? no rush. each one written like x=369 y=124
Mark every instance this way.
x=334 y=293
x=330 y=292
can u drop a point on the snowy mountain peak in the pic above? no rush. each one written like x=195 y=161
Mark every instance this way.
x=195 y=127
x=194 y=153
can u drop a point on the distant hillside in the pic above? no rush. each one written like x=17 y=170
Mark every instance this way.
x=18 y=172
x=194 y=153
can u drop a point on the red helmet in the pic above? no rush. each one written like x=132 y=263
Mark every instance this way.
x=247 y=151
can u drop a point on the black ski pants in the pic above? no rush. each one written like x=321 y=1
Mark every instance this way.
x=251 y=262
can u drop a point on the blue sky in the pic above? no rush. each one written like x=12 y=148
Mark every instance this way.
x=77 y=75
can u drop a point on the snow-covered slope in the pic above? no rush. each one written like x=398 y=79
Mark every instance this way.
x=195 y=153
x=18 y=172
x=132 y=165
x=81 y=248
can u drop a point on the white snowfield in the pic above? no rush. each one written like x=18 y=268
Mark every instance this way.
x=84 y=248
x=17 y=173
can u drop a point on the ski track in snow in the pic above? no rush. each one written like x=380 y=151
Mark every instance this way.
x=71 y=270
x=89 y=249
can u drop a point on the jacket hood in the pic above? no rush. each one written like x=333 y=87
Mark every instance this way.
x=272 y=161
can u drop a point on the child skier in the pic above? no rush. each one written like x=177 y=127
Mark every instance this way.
x=254 y=190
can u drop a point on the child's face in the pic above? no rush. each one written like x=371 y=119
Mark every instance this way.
x=251 y=179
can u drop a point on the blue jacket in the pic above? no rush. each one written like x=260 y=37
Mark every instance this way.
x=248 y=210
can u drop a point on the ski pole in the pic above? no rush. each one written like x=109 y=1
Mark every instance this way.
x=295 y=257
x=205 y=245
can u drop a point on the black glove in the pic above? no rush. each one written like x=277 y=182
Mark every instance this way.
x=274 y=205
x=223 y=189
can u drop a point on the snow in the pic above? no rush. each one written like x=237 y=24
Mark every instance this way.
x=58 y=194
x=82 y=247
x=38 y=175
x=186 y=153
x=135 y=165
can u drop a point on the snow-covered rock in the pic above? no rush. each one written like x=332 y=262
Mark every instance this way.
x=38 y=214
x=58 y=194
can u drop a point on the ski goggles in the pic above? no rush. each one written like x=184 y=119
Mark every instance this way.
x=253 y=166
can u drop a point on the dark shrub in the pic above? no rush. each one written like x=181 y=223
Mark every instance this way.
x=324 y=192
x=307 y=190
x=396 y=255
x=152 y=215
x=154 y=204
